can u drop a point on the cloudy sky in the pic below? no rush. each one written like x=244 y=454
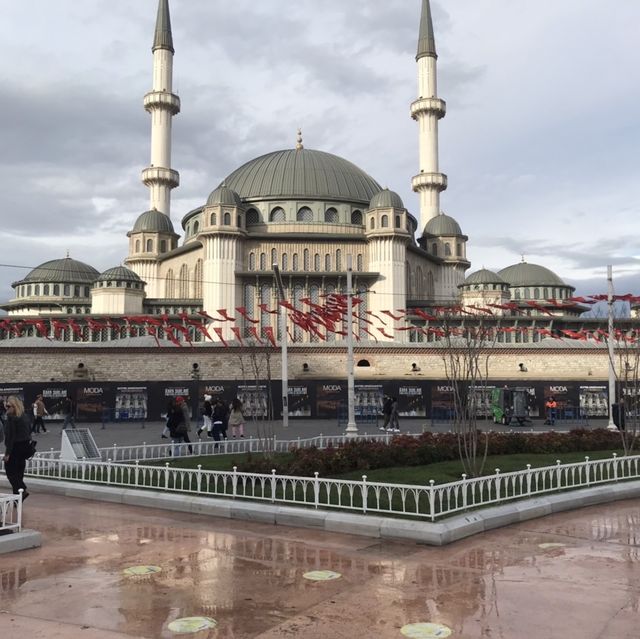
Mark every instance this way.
x=540 y=141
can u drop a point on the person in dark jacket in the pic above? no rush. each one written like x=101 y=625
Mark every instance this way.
x=17 y=438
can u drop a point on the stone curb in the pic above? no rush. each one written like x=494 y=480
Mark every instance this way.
x=430 y=533
x=23 y=540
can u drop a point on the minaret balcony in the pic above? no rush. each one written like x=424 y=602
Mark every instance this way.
x=162 y=100
x=428 y=105
x=438 y=181
x=159 y=175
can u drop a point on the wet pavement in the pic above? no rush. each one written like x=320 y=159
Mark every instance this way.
x=569 y=575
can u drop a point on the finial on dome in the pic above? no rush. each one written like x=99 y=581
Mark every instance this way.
x=523 y=260
x=67 y=253
x=299 y=145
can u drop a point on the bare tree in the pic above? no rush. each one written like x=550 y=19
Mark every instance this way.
x=627 y=368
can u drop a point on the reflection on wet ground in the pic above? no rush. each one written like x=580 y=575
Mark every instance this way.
x=571 y=575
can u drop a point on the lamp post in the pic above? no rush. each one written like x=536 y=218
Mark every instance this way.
x=612 y=371
x=282 y=316
x=352 y=428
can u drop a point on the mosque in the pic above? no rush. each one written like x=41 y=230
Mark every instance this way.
x=312 y=213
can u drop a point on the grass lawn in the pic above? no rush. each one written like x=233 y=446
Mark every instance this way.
x=441 y=472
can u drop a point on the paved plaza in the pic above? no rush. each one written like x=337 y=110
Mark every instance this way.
x=569 y=575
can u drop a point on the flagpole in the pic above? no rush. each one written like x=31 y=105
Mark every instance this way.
x=612 y=371
x=352 y=428
x=283 y=346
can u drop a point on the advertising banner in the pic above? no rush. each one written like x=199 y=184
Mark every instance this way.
x=16 y=391
x=91 y=400
x=368 y=399
x=255 y=400
x=299 y=400
x=411 y=401
x=594 y=401
x=131 y=402
x=479 y=401
x=53 y=400
x=329 y=396
x=441 y=401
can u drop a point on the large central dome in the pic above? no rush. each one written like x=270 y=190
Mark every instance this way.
x=302 y=174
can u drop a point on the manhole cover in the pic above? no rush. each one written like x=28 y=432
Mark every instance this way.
x=425 y=631
x=190 y=625
x=321 y=575
x=137 y=571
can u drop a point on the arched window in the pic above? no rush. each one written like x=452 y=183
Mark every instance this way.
x=314 y=294
x=331 y=216
x=149 y=247
x=517 y=293
x=86 y=291
x=197 y=277
x=459 y=249
x=214 y=219
x=305 y=214
x=252 y=261
x=338 y=260
x=274 y=257
x=56 y=289
x=294 y=262
x=277 y=215
x=76 y=291
x=372 y=223
x=170 y=285
x=363 y=363
x=356 y=218
x=137 y=246
x=227 y=219
x=316 y=262
x=196 y=227
x=265 y=316
x=163 y=246
x=45 y=290
x=408 y=279
x=545 y=293
x=447 y=249
x=431 y=290
x=527 y=295
x=67 y=290
x=434 y=249
x=183 y=282
x=398 y=222
x=36 y=289
x=253 y=217
x=285 y=262
x=536 y=293
x=298 y=294
x=263 y=261
x=306 y=265
x=359 y=262
x=327 y=262
x=239 y=221
x=384 y=221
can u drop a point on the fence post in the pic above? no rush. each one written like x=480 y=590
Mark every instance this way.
x=316 y=489
x=273 y=485
x=144 y=450
x=558 y=475
x=199 y=478
x=108 y=471
x=587 y=470
x=528 y=479
x=115 y=453
x=498 y=482
x=234 y=481
x=166 y=476
x=615 y=466
x=432 y=500
x=136 y=474
x=365 y=494
x=464 y=490
x=84 y=464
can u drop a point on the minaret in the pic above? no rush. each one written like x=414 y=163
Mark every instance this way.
x=427 y=110
x=162 y=104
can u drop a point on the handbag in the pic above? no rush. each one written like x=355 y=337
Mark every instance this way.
x=31 y=449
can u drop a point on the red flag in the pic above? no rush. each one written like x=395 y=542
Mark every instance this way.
x=538 y=307
x=75 y=327
x=385 y=333
x=225 y=315
x=391 y=315
x=423 y=315
x=207 y=316
x=58 y=327
x=377 y=317
x=41 y=327
x=203 y=329
x=236 y=331
x=253 y=331
x=268 y=331
x=243 y=311
x=218 y=332
x=169 y=333
x=264 y=308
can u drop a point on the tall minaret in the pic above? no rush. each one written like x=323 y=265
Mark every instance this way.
x=162 y=104
x=427 y=110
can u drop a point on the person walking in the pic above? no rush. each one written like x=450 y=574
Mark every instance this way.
x=394 y=420
x=175 y=426
x=67 y=412
x=207 y=412
x=551 y=407
x=17 y=441
x=183 y=406
x=39 y=411
x=219 y=417
x=387 y=408
x=236 y=418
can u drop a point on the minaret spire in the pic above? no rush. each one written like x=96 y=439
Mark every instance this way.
x=427 y=110
x=426 y=40
x=162 y=104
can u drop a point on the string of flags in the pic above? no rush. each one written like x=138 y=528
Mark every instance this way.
x=322 y=319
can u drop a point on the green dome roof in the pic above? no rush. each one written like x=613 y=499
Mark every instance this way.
x=153 y=221
x=119 y=274
x=386 y=200
x=225 y=196
x=484 y=276
x=524 y=274
x=64 y=271
x=442 y=225
x=302 y=173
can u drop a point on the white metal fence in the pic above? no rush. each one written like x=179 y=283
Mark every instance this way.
x=10 y=513
x=423 y=502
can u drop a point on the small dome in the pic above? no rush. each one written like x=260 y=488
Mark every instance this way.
x=62 y=271
x=386 y=200
x=483 y=276
x=153 y=221
x=442 y=225
x=524 y=274
x=225 y=196
x=119 y=274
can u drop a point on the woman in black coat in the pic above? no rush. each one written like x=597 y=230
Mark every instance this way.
x=17 y=438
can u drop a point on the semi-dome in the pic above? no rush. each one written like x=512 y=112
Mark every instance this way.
x=224 y=196
x=483 y=276
x=153 y=221
x=302 y=174
x=524 y=274
x=386 y=200
x=66 y=270
x=119 y=274
x=442 y=225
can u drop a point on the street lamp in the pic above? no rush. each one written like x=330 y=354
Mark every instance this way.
x=612 y=371
x=352 y=428
x=282 y=316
